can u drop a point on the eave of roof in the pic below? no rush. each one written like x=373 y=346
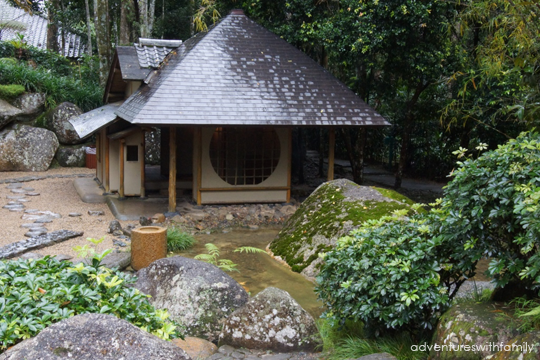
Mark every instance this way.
x=89 y=122
x=239 y=73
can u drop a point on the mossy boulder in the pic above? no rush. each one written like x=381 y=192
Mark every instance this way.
x=471 y=331
x=330 y=212
x=522 y=347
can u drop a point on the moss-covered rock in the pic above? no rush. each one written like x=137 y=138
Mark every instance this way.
x=330 y=212
x=471 y=331
x=522 y=347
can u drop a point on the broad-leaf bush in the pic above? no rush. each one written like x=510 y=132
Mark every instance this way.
x=386 y=274
x=38 y=293
x=490 y=210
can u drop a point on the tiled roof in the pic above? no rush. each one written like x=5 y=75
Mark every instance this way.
x=239 y=73
x=151 y=52
x=35 y=33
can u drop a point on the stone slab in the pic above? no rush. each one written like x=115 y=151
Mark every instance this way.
x=38 y=242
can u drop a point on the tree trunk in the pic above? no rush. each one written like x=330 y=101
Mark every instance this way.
x=143 y=17
x=125 y=23
x=52 y=28
x=103 y=39
x=88 y=27
x=151 y=12
x=406 y=136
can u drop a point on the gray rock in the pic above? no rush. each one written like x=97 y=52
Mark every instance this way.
x=36 y=232
x=32 y=194
x=119 y=260
x=30 y=255
x=20 y=247
x=197 y=295
x=58 y=121
x=144 y=221
x=63 y=257
x=40 y=216
x=74 y=214
x=15 y=186
x=119 y=243
x=96 y=212
x=114 y=225
x=43 y=220
x=8 y=113
x=272 y=320
x=70 y=156
x=27 y=149
x=94 y=336
x=31 y=105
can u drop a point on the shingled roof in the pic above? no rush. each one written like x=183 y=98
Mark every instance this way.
x=239 y=73
x=34 y=29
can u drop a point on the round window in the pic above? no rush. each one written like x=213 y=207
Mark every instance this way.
x=244 y=156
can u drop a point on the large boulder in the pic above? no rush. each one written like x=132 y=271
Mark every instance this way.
x=27 y=149
x=71 y=156
x=522 y=347
x=330 y=212
x=58 y=121
x=8 y=113
x=197 y=295
x=272 y=320
x=94 y=336
x=31 y=105
x=468 y=331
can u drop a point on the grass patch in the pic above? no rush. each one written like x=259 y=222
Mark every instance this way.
x=348 y=341
x=178 y=240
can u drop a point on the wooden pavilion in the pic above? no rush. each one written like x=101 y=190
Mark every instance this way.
x=226 y=101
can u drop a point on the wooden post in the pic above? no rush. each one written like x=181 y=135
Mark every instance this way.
x=143 y=147
x=107 y=172
x=122 y=146
x=289 y=169
x=331 y=146
x=199 y=166
x=172 y=169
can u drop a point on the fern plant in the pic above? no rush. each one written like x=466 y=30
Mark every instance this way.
x=212 y=256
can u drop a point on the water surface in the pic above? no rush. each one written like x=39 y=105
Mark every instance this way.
x=259 y=271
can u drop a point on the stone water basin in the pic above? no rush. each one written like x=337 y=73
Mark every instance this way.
x=259 y=271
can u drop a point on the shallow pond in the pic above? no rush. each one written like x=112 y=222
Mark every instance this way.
x=259 y=271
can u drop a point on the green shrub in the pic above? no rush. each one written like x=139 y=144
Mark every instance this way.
x=78 y=90
x=490 y=210
x=178 y=240
x=10 y=92
x=386 y=274
x=8 y=60
x=38 y=293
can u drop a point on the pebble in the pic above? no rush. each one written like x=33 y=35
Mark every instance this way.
x=31 y=211
x=74 y=214
x=63 y=257
x=28 y=189
x=31 y=255
x=15 y=197
x=16 y=210
x=96 y=212
x=15 y=186
x=28 y=225
x=32 y=234
x=32 y=194
x=18 y=191
x=43 y=220
x=119 y=243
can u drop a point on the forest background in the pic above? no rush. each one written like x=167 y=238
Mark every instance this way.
x=445 y=74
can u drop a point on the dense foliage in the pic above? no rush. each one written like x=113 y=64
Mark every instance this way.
x=490 y=209
x=178 y=240
x=386 y=274
x=401 y=273
x=38 y=293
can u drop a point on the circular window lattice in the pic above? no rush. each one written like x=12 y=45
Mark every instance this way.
x=244 y=156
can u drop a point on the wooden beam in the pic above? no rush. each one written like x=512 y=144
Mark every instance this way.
x=172 y=169
x=143 y=147
x=107 y=174
x=122 y=162
x=331 y=146
x=245 y=188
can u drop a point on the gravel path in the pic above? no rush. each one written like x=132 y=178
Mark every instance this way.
x=56 y=194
